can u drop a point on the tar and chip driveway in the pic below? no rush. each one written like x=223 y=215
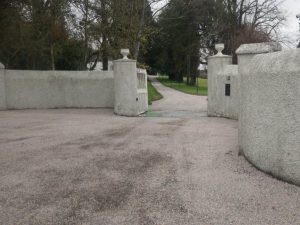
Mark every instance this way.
x=176 y=167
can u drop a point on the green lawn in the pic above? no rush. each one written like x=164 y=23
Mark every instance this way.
x=201 y=90
x=153 y=94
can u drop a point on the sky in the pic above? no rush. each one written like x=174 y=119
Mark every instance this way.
x=291 y=8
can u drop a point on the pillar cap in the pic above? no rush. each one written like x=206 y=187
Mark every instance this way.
x=125 y=60
x=258 y=48
x=2 y=67
x=219 y=57
x=125 y=52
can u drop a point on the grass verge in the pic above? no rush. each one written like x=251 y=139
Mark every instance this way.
x=153 y=94
x=183 y=87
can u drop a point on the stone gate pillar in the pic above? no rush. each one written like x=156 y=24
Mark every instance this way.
x=2 y=88
x=216 y=64
x=125 y=85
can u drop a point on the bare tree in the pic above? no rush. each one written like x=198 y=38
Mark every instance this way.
x=156 y=6
x=250 y=21
x=86 y=16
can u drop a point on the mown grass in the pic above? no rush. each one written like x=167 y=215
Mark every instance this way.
x=153 y=94
x=183 y=87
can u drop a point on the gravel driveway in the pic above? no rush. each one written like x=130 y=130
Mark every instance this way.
x=175 y=167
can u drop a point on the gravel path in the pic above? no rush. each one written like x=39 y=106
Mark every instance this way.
x=177 y=101
x=91 y=167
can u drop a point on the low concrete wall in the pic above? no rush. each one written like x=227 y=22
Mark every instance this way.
x=270 y=109
x=227 y=106
x=123 y=89
x=57 y=89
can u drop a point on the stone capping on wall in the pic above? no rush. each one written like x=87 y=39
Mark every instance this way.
x=219 y=56
x=258 y=48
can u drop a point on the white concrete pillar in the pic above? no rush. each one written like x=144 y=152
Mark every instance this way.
x=2 y=88
x=216 y=64
x=246 y=53
x=125 y=85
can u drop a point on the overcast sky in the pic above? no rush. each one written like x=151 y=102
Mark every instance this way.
x=291 y=28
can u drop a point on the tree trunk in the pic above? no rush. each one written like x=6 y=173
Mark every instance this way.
x=193 y=80
x=188 y=69
x=178 y=77
x=95 y=62
x=104 y=48
x=104 y=54
x=86 y=40
x=140 y=31
x=52 y=57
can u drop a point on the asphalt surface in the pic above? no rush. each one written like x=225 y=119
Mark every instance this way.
x=175 y=167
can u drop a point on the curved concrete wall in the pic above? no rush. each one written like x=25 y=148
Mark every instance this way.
x=58 y=89
x=246 y=52
x=270 y=109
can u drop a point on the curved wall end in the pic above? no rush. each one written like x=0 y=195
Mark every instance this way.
x=270 y=108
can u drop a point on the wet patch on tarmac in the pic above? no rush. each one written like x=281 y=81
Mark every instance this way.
x=176 y=114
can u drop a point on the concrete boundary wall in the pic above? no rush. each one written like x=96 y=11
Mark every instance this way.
x=57 y=89
x=268 y=106
x=270 y=109
x=222 y=74
x=123 y=89
x=246 y=53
